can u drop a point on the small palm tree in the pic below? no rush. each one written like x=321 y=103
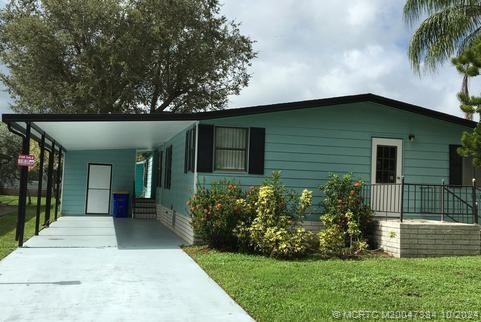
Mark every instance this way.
x=449 y=27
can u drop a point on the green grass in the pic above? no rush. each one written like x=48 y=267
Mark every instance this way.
x=8 y=223
x=311 y=290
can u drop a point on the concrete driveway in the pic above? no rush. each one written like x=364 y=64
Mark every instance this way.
x=100 y=269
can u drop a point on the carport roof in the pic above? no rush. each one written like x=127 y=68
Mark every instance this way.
x=144 y=131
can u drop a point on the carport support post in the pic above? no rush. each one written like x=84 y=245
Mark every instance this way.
x=48 y=202
x=22 y=196
x=57 y=190
x=40 y=183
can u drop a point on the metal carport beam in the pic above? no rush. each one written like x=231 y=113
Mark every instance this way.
x=17 y=129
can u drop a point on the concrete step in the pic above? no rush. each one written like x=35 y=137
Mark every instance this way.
x=144 y=211
x=145 y=200
x=145 y=205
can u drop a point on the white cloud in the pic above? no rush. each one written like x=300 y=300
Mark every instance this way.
x=313 y=49
x=361 y=12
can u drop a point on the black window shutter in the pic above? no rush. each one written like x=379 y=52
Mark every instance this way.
x=161 y=161
x=186 y=153
x=257 y=150
x=168 y=167
x=455 y=166
x=192 y=151
x=206 y=148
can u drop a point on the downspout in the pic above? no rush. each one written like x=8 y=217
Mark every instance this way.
x=195 y=155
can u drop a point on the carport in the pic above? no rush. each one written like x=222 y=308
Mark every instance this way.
x=85 y=268
x=59 y=134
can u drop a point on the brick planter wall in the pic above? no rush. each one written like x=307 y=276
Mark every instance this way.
x=413 y=238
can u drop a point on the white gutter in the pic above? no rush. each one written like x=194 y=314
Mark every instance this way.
x=63 y=180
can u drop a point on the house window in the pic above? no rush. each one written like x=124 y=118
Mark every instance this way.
x=231 y=146
x=461 y=170
x=168 y=167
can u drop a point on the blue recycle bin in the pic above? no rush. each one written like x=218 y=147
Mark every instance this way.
x=120 y=205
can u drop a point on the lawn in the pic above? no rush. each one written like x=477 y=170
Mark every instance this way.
x=8 y=223
x=319 y=290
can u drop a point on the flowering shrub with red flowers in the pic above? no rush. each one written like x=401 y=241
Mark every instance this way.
x=347 y=220
x=216 y=211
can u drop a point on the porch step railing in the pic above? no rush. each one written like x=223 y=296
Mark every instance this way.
x=423 y=201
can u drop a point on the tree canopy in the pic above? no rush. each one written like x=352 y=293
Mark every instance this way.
x=130 y=56
x=9 y=149
x=448 y=27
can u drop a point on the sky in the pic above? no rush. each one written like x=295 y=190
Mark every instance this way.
x=315 y=49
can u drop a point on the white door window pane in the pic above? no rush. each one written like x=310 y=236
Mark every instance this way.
x=99 y=176
x=98 y=202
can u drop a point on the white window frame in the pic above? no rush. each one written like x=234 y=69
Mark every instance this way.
x=246 y=163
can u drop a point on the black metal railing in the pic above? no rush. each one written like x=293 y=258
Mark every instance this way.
x=423 y=201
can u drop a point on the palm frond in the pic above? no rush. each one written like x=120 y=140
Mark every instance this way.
x=442 y=34
x=469 y=40
x=416 y=9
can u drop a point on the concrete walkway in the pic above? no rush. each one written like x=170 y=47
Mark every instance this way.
x=99 y=269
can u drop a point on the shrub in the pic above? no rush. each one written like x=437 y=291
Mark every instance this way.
x=275 y=231
x=347 y=220
x=216 y=211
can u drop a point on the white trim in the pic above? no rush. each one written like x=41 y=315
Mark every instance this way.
x=391 y=142
x=195 y=154
x=63 y=180
x=180 y=131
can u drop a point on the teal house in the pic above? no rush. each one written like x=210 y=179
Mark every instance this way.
x=380 y=140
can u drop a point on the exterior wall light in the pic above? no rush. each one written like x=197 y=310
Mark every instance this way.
x=411 y=138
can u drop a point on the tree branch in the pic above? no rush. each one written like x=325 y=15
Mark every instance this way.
x=165 y=103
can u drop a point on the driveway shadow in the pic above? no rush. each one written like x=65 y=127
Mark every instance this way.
x=144 y=234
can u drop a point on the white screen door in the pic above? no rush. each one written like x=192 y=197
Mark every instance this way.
x=386 y=173
x=98 y=189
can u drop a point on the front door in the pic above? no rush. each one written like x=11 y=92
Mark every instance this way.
x=99 y=189
x=386 y=174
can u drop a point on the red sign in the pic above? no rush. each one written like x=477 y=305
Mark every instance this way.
x=26 y=160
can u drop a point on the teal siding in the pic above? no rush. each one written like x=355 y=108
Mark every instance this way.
x=76 y=171
x=182 y=184
x=308 y=144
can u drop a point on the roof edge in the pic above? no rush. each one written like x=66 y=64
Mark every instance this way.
x=251 y=110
